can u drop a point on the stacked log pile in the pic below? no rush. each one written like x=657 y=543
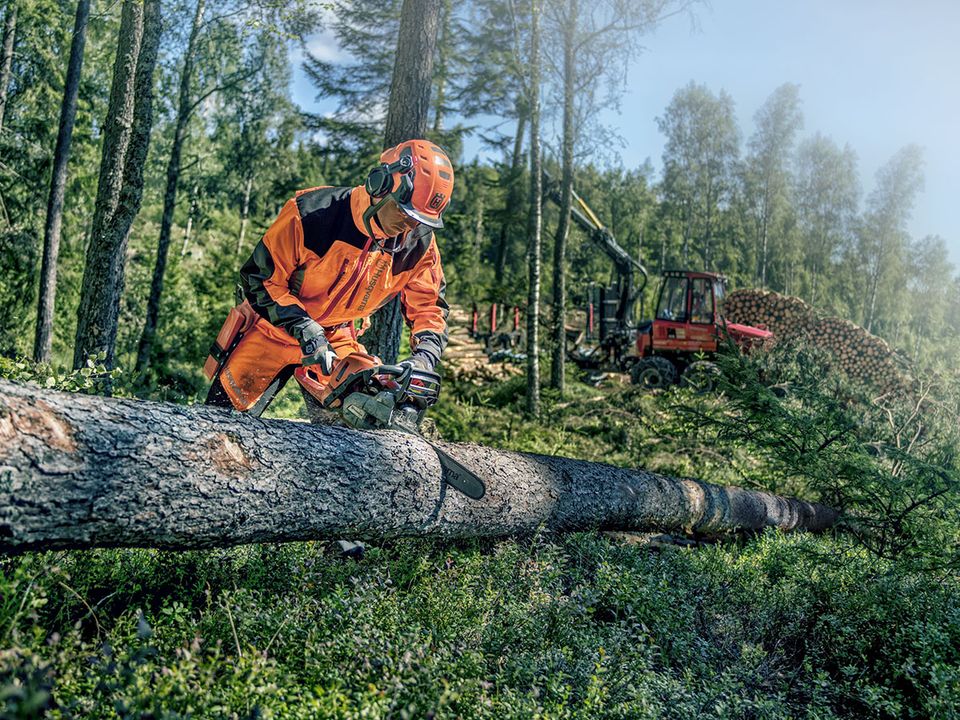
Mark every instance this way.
x=465 y=360
x=858 y=353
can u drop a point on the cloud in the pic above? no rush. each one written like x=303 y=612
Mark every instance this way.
x=324 y=46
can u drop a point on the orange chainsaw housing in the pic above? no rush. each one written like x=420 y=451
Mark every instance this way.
x=322 y=386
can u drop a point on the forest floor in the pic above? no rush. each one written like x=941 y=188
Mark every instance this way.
x=580 y=625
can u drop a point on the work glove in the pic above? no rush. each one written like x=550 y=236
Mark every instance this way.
x=316 y=350
x=419 y=361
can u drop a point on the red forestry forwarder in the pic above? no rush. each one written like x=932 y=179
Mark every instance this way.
x=683 y=336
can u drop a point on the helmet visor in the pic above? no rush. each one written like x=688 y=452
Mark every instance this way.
x=434 y=221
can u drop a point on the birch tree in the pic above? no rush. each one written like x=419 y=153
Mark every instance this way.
x=826 y=197
x=535 y=224
x=929 y=285
x=884 y=238
x=767 y=173
x=699 y=159
x=595 y=41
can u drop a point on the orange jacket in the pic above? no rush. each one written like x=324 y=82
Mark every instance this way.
x=316 y=263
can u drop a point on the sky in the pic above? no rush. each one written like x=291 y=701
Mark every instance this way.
x=874 y=74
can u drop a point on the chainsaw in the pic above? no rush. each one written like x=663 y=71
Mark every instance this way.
x=373 y=396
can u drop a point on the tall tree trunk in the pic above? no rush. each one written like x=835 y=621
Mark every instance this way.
x=145 y=350
x=479 y=223
x=120 y=189
x=566 y=199
x=190 y=215
x=58 y=182
x=87 y=471
x=764 y=232
x=6 y=64
x=443 y=66
x=535 y=223
x=407 y=118
x=514 y=200
x=245 y=213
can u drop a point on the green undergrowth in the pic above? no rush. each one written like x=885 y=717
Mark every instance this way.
x=615 y=423
x=575 y=626
x=548 y=626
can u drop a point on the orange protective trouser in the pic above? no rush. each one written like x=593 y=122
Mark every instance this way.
x=265 y=352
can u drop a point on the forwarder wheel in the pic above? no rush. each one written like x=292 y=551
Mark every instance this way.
x=653 y=373
x=701 y=376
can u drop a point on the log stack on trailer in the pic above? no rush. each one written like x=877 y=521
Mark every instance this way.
x=858 y=353
x=466 y=359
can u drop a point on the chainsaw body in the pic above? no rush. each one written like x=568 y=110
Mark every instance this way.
x=373 y=396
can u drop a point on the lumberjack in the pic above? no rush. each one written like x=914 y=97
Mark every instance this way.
x=333 y=257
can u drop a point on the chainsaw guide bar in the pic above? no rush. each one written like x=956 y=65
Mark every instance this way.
x=457 y=476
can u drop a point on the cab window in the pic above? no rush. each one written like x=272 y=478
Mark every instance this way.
x=701 y=301
x=673 y=300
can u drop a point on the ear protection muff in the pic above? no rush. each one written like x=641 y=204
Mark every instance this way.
x=380 y=180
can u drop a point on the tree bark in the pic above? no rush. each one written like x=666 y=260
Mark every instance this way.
x=81 y=471
x=185 y=104
x=6 y=64
x=120 y=189
x=443 y=65
x=535 y=223
x=407 y=118
x=58 y=183
x=409 y=110
x=566 y=200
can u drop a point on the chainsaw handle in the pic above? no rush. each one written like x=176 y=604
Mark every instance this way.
x=400 y=372
x=390 y=369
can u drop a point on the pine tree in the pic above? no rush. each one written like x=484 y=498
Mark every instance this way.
x=58 y=182
x=407 y=117
x=120 y=190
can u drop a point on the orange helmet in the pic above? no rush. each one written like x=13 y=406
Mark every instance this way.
x=419 y=176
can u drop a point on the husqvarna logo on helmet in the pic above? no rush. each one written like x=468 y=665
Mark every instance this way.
x=436 y=201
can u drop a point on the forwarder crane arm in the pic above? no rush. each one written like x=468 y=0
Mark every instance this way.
x=626 y=266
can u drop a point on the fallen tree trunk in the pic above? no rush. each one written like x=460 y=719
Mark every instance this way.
x=80 y=471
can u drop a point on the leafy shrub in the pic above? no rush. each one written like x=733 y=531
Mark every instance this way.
x=89 y=379
x=574 y=626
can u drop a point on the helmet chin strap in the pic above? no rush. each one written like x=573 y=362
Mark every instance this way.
x=369 y=215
